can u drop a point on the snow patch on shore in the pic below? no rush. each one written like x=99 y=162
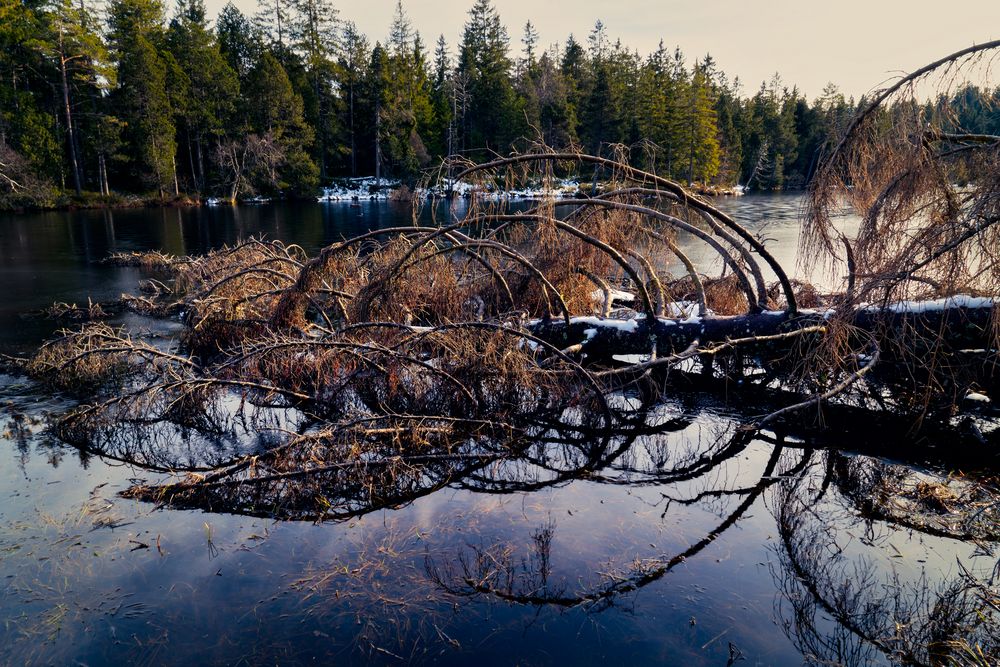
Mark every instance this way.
x=562 y=188
x=356 y=189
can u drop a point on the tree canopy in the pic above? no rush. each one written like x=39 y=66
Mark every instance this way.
x=147 y=102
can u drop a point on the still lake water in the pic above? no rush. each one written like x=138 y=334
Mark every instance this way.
x=90 y=578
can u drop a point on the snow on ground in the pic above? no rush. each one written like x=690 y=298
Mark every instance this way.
x=368 y=188
x=559 y=188
x=356 y=189
x=220 y=201
x=957 y=301
x=689 y=311
x=616 y=295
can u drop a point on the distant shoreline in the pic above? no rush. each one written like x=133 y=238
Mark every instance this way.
x=391 y=191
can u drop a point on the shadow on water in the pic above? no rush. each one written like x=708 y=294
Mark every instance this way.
x=676 y=539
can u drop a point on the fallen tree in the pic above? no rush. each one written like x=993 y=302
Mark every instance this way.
x=399 y=360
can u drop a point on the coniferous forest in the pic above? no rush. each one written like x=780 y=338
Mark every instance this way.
x=135 y=99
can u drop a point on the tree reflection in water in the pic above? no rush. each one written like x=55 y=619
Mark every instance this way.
x=841 y=599
x=841 y=605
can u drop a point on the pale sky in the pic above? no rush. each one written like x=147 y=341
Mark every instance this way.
x=857 y=44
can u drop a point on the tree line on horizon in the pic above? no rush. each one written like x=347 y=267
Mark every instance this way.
x=122 y=99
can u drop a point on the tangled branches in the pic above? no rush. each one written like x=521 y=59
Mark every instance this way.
x=926 y=185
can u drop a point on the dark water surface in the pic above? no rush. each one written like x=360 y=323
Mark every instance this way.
x=725 y=568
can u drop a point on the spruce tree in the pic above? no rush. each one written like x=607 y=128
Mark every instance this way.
x=239 y=40
x=313 y=32
x=377 y=100
x=352 y=73
x=443 y=101
x=556 y=116
x=702 y=130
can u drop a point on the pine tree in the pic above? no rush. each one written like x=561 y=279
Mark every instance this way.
x=278 y=113
x=239 y=40
x=407 y=112
x=377 y=90
x=443 y=101
x=272 y=19
x=78 y=55
x=27 y=128
x=677 y=97
x=530 y=42
x=607 y=109
x=421 y=100
x=527 y=78
x=312 y=29
x=556 y=117
x=651 y=102
x=702 y=130
x=730 y=114
x=575 y=72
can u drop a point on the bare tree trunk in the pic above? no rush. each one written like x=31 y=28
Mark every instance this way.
x=74 y=162
x=354 y=158
x=190 y=148
x=322 y=128
x=102 y=175
x=234 y=190
x=159 y=174
x=201 y=164
x=173 y=163
x=955 y=325
x=277 y=14
x=378 y=145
